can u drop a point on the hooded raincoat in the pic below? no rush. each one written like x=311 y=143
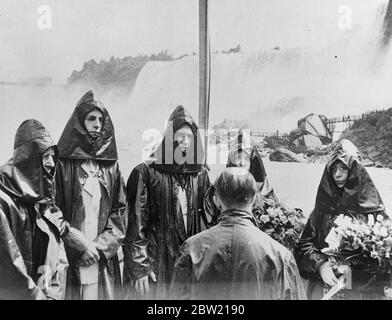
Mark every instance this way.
x=30 y=225
x=359 y=198
x=76 y=147
x=156 y=228
x=235 y=260
x=257 y=169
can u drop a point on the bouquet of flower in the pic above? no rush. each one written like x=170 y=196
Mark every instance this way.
x=361 y=244
x=355 y=241
x=283 y=224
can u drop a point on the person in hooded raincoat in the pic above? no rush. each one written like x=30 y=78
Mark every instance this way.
x=234 y=259
x=90 y=192
x=345 y=188
x=33 y=263
x=242 y=154
x=165 y=201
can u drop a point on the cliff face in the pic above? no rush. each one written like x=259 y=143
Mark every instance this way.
x=120 y=72
x=373 y=136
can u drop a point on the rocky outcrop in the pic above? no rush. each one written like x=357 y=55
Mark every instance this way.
x=316 y=125
x=285 y=155
x=311 y=134
x=121 y=72
x=373 y=137
x=308 y=141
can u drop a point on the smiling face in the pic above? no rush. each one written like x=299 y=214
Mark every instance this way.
x=184 y=138
x=339 y=174
x=48 y=161
x=93 y=123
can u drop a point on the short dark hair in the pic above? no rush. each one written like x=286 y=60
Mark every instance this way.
x=235 y=186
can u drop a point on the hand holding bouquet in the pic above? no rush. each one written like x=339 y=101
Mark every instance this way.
x=362 y=245
x=351 y=239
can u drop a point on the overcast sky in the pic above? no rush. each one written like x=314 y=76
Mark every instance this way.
x=97 y=29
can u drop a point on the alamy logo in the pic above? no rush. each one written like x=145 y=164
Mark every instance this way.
x=45 y=17
x=345 y=21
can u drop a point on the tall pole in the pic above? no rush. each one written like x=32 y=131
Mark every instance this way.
x=204 y=70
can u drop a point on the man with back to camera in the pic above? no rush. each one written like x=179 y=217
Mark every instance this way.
x=234 y=259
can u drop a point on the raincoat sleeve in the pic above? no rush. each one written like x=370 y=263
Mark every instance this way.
x=308 y=256
x=136 y=260
x=293 y=284
x=181 y=285
x=203 y=188
x=113 y=235
x=14 y=280
x=210 y=209
x=71 y=236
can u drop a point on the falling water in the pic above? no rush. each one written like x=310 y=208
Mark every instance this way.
x=274 y=88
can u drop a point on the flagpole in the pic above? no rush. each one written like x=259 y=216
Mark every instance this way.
x=204 y=71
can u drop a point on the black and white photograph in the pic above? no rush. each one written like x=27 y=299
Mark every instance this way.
x=216 y=151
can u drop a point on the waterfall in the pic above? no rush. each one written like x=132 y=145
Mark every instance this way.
x=274 y=88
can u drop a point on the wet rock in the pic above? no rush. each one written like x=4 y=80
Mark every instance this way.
x=372 y=134
x=308 y=141
x=284 y=155
x=315 y=125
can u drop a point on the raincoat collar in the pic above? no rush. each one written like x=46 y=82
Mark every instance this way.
x=76 y=143
x=235 y=215
x=162 y=158
x=23 y=177
x=359 y=195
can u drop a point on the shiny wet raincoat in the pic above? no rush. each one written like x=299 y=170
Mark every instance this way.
x=75 y=147
x=156 y=227
x=235 y=260
x=30 y=223
x=359 y=198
